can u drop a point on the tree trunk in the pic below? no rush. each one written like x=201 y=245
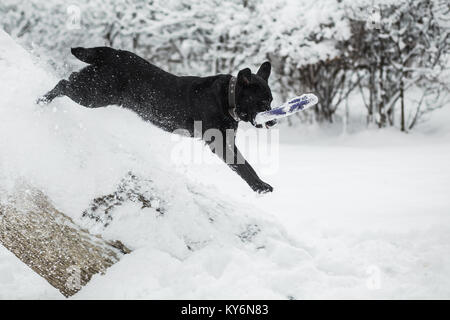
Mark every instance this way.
x=381 y=97
x=372 y=93
x=346 y=117
x=51 y=244
x=402 y=108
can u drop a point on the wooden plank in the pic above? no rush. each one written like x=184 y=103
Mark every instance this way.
x=51 y=244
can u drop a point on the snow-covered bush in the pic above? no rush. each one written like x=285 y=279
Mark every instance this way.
x=194 y=37
x=328 y=47
x=402 y=45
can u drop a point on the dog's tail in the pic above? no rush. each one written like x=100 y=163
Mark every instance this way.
x=97 y=55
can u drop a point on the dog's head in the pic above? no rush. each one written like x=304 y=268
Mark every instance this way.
x=253 y=94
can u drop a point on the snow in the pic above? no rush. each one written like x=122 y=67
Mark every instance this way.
x=17 y=281
x=352 y=216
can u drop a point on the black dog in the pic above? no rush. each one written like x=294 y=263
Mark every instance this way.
x=171 y=102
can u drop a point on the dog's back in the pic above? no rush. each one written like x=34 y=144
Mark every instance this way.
x=123 y=78
x=107 y=56
x=108 y=77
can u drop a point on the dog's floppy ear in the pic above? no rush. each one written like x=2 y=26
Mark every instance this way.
x=264 y=70
x=244 y=76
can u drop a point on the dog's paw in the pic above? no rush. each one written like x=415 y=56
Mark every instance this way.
x=42 y=101
x=262 y=187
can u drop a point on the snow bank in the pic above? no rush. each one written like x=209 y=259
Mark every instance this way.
x=204 y=245
x=18 y=281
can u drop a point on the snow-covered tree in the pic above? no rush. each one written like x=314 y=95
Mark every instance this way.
x=402 y=45
x=382 y=47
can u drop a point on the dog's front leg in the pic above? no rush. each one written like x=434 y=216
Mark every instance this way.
x=245 y=170
x=231 y=155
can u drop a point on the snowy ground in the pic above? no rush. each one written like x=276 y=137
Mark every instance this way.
x=372 y=206
x=359 y=216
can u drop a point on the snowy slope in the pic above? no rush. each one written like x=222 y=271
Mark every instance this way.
x=364 y=216
x=75 y=154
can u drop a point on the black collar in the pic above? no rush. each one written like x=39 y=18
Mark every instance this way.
x=232 y=99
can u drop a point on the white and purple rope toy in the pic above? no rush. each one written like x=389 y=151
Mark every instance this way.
x=292 y=106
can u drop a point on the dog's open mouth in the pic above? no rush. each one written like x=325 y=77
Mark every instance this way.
x=268 y=124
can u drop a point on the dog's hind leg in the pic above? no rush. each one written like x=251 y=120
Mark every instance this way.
x=57 y=91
